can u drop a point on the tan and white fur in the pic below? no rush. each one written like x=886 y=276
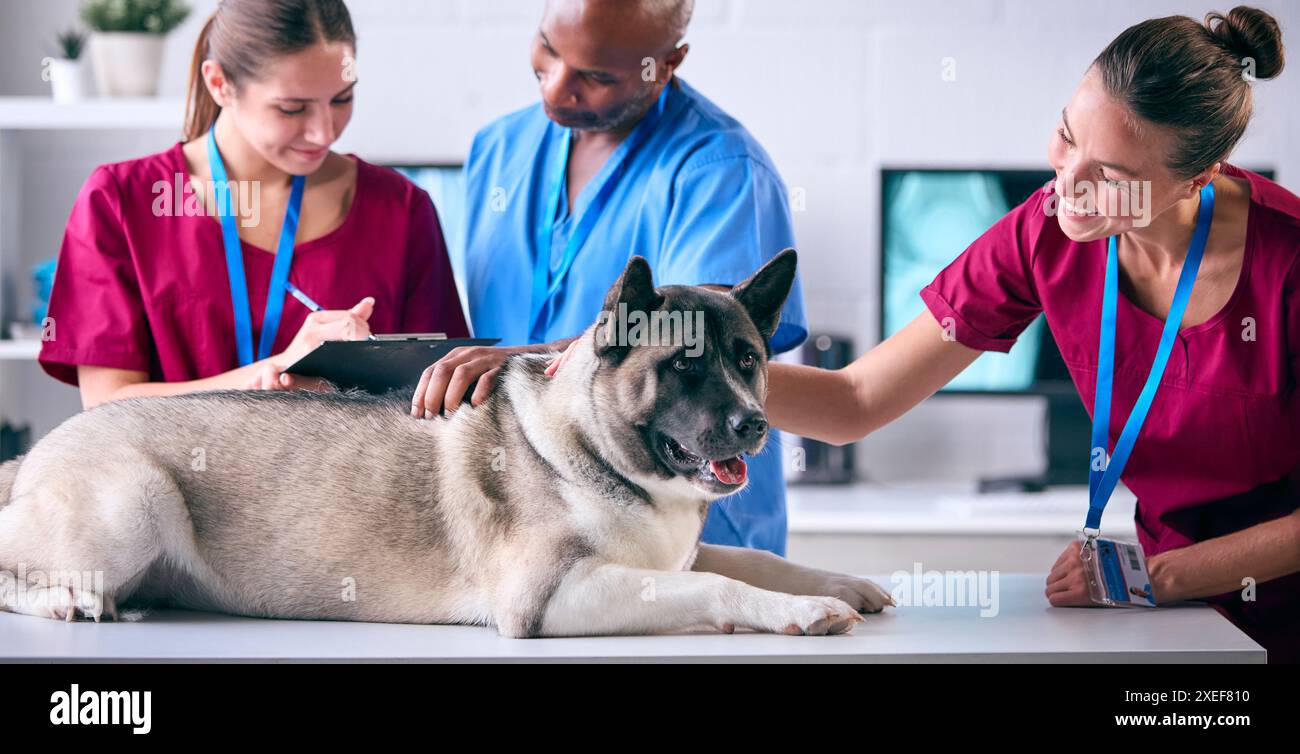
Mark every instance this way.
x=561 y=506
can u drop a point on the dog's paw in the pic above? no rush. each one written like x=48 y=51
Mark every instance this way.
x=66 y=604
x=799 y=615
x=863 y=595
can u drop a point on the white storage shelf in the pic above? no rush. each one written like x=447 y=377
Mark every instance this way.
x=91 y=114
x=26 y=395
x=27 y=113
x=19 y=350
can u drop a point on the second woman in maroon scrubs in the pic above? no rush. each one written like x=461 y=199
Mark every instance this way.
x=142 y=299
x=1216 y=465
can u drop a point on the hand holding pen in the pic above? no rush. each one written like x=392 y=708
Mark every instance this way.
x=326 y=324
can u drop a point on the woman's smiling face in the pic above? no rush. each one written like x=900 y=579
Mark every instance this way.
x=1110 y=167
x=293 y=113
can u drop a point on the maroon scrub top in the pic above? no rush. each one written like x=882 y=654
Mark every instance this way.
x=1220 y=449
x=142 y=285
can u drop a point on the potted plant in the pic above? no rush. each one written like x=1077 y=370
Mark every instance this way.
x=65 y=72
x=127 y=42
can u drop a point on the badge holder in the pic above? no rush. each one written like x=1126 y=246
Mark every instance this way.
x=1116 y=571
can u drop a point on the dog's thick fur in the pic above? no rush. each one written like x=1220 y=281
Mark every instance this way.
x=549 y=510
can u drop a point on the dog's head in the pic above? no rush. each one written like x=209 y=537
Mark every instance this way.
x=684 y=372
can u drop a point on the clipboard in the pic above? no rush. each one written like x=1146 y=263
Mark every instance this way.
x=382 y=363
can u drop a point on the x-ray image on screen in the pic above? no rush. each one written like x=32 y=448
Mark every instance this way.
x=929 y=218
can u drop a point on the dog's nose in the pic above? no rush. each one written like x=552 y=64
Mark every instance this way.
x=748 y=425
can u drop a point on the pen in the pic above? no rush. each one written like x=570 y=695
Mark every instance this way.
x=297 y=293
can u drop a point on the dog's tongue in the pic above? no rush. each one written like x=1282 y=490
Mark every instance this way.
x=730 y=471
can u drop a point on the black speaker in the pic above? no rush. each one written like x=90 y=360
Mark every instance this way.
x=13 y=440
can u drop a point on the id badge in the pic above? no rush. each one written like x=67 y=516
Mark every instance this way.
x=1116 y=572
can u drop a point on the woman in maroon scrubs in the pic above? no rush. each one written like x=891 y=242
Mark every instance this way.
x=1216 y=466
x=142 y=298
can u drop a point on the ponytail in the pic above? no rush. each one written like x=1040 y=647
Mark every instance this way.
x=200 y=109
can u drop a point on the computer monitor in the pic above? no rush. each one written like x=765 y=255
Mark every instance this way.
x=928 y=217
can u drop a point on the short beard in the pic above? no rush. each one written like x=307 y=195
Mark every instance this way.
x=625 y=116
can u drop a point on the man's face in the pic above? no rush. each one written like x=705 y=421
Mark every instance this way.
x=591 y=62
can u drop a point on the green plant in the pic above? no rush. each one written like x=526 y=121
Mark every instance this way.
x=151 y=16
x=71 y=43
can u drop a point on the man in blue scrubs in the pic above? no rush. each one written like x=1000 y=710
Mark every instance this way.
x=621 y=157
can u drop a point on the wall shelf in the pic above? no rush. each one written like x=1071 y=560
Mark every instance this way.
x=27 y=113
x=26 y=395
x=19 y=350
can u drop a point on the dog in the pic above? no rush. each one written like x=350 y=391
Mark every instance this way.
x=561 y=506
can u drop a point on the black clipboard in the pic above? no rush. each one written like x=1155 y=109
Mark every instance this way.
x=382 y=364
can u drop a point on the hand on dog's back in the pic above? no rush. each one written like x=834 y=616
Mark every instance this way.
x=444 y=384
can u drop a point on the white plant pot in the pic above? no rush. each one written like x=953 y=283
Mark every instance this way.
x=127 y=63
x=67 y=80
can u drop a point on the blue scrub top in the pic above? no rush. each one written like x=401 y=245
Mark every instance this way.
x=699 y=199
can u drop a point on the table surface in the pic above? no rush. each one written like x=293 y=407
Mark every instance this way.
x=1024 y=629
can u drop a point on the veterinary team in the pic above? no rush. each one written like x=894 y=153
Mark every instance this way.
x=622 y=157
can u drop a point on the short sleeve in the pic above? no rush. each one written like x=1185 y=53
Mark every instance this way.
x=432 y=301
x=730 y=216
x=96 y=309
x=987 y=294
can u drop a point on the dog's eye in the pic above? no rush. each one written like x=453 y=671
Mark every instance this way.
x=681 y=364
x=748 y=360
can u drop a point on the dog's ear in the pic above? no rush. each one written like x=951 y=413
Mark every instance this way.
x=635 y=287
x=633 y=291
x=764 y=293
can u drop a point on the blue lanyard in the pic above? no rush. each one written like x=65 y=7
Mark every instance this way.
x=235 y=260
x=545 y=284
x=1102 y=483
